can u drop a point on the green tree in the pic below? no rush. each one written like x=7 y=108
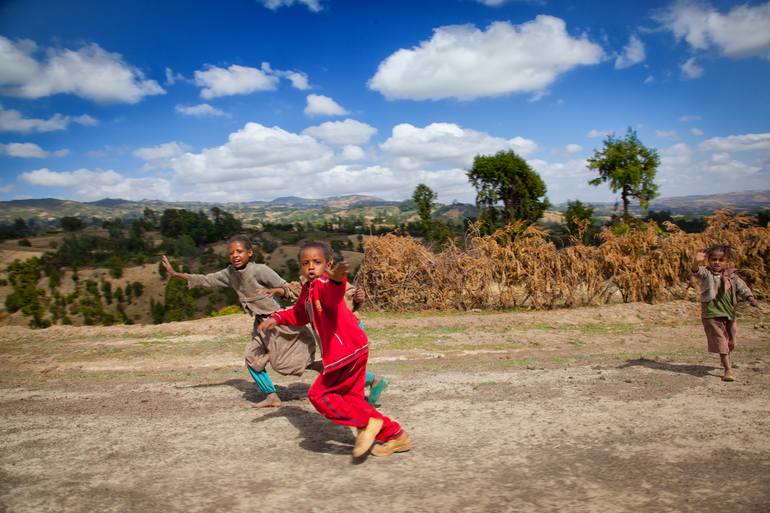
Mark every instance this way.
x=179 y=303
x=576 y=212
x=26 y=297
x=424 y=198
x=629 y=167
x=71 y=224
x=507 y=178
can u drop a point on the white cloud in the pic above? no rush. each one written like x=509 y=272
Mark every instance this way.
x=313 y=5
x=320 y=105
x=348 y=131
x=352 y=152
x=492 y=3
x=7 y=188
x=29 y=150
x=85 y=120
x=411 y=147
x=216 y=81
x=161 y=151
x=90 y=72
x=200 y=110
x=742 y=32
x=270 y=156
x=709 y=170
x=461 y=61
x=160 y=156
x=13 y=121
x=172 y=78
x=689 y=117
x=697 y=132
x=690 y=69
x=92 y=185
x=573 y=148
x=667 y=134
x=633 y=53
x=744 y=142
x=298 y=80
x=594 y=133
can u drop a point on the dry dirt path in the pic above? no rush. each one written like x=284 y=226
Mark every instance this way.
x=603 y=409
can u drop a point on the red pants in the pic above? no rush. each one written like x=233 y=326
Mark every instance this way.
x=339 y=396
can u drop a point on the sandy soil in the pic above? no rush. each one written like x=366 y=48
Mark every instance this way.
x=599 y=409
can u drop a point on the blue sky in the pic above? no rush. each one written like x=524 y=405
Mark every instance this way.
x=251 y=100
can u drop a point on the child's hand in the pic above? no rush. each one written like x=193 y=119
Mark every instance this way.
x=359 y=295
x=700 y=256
x=169 y=268
x=267 y=325
x=340 y=271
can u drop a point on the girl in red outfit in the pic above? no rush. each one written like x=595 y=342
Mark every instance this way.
x=338 y=392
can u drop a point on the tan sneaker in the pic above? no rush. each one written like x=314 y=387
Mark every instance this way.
x=402 y=443
x=729 y=376
x=365 y=437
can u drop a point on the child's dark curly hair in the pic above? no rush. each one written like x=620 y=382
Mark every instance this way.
x=317 y=244
x=243 y=239
x=720 y=248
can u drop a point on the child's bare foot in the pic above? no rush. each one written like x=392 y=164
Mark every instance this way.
x=729 y=376
x=271 y=401
x=401 y=443
x=366 y=436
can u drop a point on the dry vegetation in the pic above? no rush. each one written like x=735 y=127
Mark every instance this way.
x=520 y=267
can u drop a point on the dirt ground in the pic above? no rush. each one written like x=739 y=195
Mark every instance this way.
x=609 y=409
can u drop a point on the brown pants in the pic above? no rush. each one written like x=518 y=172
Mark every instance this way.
x=288 y=349
x=720 y=334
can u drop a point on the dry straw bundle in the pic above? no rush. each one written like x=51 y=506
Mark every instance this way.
x=519 y=267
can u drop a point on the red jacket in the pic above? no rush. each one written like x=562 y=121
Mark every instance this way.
x=322 y=303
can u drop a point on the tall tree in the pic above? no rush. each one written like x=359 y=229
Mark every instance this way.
x=425 y=198
x=506 y=177
x=629 y=167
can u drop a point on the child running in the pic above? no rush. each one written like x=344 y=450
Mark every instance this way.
x=720 y=289
x=338 y=392
x=289 y=350
x=354 y=298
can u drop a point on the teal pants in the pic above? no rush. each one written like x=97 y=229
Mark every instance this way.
x=266 y=386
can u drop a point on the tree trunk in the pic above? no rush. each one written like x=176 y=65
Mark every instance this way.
x=624 y=196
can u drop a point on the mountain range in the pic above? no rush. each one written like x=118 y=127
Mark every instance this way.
x=293 y=209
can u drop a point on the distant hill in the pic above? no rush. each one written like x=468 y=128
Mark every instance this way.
x=695 y=205
x=292 y=209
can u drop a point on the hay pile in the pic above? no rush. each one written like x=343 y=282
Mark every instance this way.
x=520 y=267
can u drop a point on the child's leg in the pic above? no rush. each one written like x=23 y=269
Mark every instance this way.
x=257 y=358
x=339 y=396
x=266 y=386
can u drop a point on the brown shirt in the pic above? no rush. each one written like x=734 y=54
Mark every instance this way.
x=245 y=282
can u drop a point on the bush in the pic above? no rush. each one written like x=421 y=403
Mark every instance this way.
x=515 y=267
x=115 y=266
x=25 y=243
x=227 y=310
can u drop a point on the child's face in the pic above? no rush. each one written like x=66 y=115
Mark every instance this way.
x=312 y=263
x=239 y=255
x=717 y=261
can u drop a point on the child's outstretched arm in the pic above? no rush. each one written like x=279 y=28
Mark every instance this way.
x=700 y=259
x=339 y=272
x=217 y=279
x=170 y=269
x=292 y=316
